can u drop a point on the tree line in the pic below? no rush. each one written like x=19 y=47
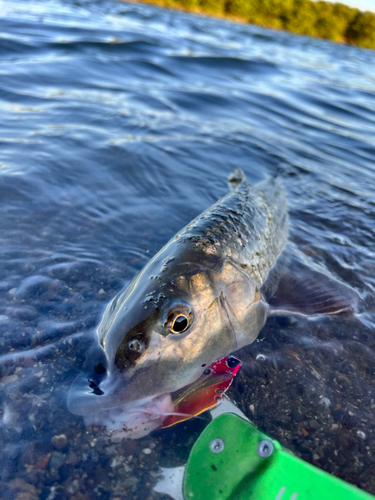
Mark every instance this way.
x=333 y=21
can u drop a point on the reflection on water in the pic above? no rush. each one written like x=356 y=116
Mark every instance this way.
x=119 y=124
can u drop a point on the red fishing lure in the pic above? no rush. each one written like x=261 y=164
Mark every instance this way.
x=205 y=393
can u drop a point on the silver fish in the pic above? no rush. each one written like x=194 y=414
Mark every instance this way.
x=201 y=297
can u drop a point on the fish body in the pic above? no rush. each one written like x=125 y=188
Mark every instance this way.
x=196 y=301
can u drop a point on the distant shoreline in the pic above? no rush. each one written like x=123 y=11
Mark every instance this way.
x=331 y=21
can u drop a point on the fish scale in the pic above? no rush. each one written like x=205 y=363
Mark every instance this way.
x=249 y=226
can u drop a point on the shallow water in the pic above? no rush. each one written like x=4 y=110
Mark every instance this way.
x=119 y=124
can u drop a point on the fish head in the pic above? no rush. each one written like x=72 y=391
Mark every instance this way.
x=181 y=313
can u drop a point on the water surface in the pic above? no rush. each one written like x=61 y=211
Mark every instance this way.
x=119 y=124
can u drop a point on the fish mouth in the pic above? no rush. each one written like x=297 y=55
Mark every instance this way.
x=99 y=406
x=138 y=418
x=134 y=420
x=86 y=396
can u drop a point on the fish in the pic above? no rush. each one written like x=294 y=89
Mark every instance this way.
x=207 y=293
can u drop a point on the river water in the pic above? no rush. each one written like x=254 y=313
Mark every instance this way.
x=119 y=124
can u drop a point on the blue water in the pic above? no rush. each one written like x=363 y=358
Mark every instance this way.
x=119 y=124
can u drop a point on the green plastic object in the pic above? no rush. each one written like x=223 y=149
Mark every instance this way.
x=233 y=460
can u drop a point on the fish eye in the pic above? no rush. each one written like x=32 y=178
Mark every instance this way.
x=178 y=318
x=180 y=323
x=136 y=345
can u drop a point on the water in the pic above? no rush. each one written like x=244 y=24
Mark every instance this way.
x=119 y=124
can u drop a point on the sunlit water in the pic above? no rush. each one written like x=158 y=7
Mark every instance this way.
x=119 y=124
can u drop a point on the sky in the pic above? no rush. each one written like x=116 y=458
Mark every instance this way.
x=360 y=4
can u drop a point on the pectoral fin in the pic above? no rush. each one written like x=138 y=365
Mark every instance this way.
x=309 y=295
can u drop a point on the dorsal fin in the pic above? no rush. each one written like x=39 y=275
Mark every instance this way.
x=236 y=178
